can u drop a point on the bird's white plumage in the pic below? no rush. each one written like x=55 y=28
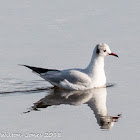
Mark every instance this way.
x=69 y=79
x=81 y=79
x=93 y=76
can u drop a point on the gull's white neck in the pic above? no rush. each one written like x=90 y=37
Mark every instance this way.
x=99 y=100
x=95 y=70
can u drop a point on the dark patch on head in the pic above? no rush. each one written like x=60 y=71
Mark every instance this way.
x=97 y=50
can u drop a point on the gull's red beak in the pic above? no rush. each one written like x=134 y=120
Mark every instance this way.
x=113 y=54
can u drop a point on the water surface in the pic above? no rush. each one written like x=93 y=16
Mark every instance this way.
x=60 y=35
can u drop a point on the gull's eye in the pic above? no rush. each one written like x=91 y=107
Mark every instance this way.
x=104 y=50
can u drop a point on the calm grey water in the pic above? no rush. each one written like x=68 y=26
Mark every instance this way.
x=62 y=34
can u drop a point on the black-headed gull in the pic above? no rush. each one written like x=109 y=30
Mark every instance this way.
x=94 y=98
x=93 y=76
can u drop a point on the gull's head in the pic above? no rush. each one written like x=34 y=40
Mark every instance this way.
x=103 y=49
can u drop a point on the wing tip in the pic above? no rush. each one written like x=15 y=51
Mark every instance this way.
x=37 y=69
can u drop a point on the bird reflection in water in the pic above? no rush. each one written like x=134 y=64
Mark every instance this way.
x=94 y=98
